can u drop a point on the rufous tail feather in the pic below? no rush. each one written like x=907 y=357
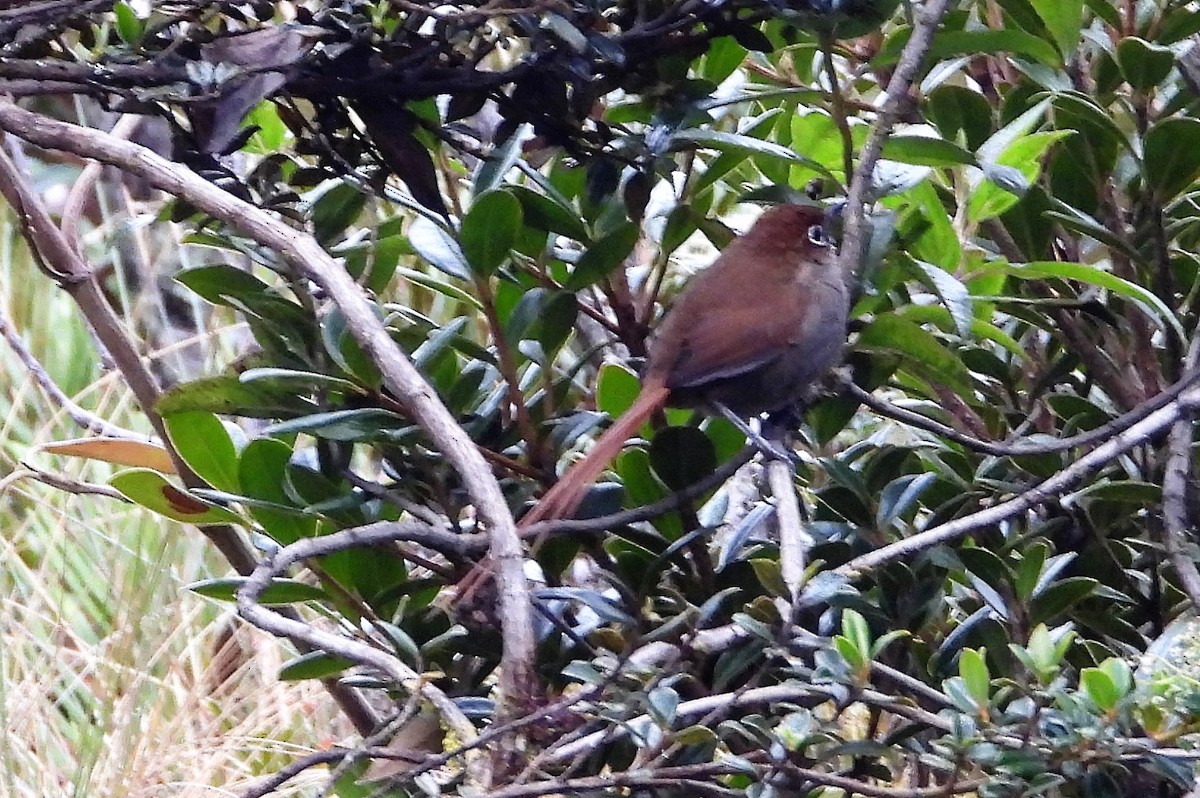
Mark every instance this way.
x=563 y=499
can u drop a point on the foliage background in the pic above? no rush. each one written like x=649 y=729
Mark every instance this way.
x=1029 y=277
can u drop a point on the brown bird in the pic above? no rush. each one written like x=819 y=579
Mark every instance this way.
x=750 y=334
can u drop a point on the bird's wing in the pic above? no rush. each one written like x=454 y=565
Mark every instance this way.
x=739 y=339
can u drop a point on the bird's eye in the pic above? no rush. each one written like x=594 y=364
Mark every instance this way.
x=816 y=235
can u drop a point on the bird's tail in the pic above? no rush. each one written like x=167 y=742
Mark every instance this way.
x=563 y=499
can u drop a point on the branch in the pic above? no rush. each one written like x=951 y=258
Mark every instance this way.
x=250 y=608
x=1176 y=478
x=517 y=677
x=862 y=190
x=1023 y=447
x=1136 y=435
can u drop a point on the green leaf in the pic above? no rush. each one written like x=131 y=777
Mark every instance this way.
x=220 y=281
x=439 y=249
x=204 y=444
x=972 y=667
x=926 y=151
x=854 y=627
x=129 y=26
x=299 y=379
x=262 y=471
x=891 y=333
x=616 y=389
x=999 y=142
x=1118 y=671
x=1060 y=596
x=663 y=703
x=1171 y=156
x=335 y=210
x=992 y=198
x=279 y=591
x=938 y=243
x=642 y=487
x=948 y=44
x=695 y=735
x=957 y=108
x=681 y=456
x=342 y=425
x=855 y=657
x=725 y=141
x=501 y=159
x=899 y=495
x=545 y=213
x=152 y=491
x=932 y=314
x=227 y=395
x=1151 y=304
x=1064 y=19
x=314 y=665
x=956 y=690
x=1030 y=570
x=951 y=291
x=1099 y=688
x=1143 y=64
x=976 y=677
x=603 y=256
x=489 y=231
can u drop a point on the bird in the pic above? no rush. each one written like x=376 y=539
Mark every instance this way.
x=750 y=334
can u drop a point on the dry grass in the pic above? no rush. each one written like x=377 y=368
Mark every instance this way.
x=114 y=680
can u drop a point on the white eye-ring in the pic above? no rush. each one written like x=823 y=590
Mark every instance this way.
x=816 y=235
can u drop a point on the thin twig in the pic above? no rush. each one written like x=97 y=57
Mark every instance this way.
x=250 y=608
x=60 y=482
x=84 y=418
x=1023 y=447
x=86 y=183
x=861 y=192
x=1120 y=443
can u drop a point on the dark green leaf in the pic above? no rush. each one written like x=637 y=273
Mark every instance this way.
x=1144 y=64
x=603 y=256
x=489 y=230
x=218 y=282
x=341 y=425
x=1059 y=597
x=891 y=333
x=1171 y=160
x=335 y=210
x=682 y=456
x=279 y=591
x=315 y=665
